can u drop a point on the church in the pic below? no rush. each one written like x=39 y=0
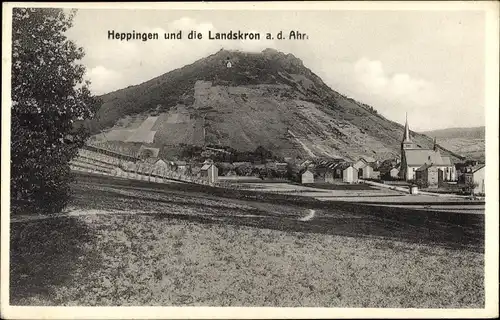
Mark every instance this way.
x=415 y=159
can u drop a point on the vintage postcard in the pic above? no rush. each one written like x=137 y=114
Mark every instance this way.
x=250 y=160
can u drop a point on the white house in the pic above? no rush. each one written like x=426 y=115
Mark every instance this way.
x=210 y=171
x=350 y=175
x=476 y=174
x=307 y=177
x=394 y=173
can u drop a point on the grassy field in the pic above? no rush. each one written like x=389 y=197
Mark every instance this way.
x=134 y=246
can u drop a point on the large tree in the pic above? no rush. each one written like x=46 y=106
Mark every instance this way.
x=48 y=95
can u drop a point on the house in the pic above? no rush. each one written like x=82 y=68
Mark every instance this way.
x=161 y=163
x=210 y=172
x=307 y=177
x=345 y=172
x=389 y=169
x=394 y=172
x=349 y=173
x=181 y=165
x=476 y=175
x=326 y=172
x=430 y=175
x=364 y=168
x=413 y=158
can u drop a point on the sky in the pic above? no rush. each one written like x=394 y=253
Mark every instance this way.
x=429 y=64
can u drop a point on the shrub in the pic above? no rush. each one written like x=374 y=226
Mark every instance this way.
x=48 y=95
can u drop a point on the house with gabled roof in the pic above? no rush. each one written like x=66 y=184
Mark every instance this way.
x=348 y=172
x=429 y=174
x=476 y=175
x=365 y=168
x=210 y=172
x=307 y=176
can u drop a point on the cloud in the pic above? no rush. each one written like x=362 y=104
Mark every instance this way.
x=103 y=80
x=370 y=74
x=392 y=94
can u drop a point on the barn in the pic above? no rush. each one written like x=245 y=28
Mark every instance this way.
x=307 y=177
x=210 y=172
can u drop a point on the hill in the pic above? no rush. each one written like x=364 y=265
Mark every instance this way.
x=469 y=142
x=267 y=99
x=453 y=133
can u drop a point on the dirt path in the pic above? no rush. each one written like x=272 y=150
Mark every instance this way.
x=309 y=216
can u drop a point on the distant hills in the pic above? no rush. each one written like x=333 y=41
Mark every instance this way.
x=469 y=142
x=246 y=100
x=449 y=133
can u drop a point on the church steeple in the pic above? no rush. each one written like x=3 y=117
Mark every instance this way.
x=406 y=137
x=435 y=144
x=407 y=143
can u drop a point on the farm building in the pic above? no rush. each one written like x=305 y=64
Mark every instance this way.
x=210 y=172
x=476 y=174
x=326 y=172
x=307 y=177
x=349 y=173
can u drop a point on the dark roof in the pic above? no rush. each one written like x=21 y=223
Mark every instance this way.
x=307 y=170
x=206 y=166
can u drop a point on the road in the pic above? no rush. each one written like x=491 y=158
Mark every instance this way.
x=203 y=204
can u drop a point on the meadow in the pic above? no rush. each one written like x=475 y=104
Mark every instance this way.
x=170 y=247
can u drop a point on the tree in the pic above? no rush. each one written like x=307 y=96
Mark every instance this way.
x=48 y=95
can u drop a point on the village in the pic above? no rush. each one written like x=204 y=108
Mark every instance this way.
x=416 y=170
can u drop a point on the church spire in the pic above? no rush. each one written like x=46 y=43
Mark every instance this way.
x=407 y=130
x=435 y=144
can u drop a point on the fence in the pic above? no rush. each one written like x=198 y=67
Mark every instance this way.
x=103 y=163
